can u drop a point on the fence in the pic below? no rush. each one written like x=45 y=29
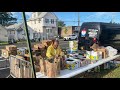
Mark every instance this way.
x=20 y=68
x=4 y=63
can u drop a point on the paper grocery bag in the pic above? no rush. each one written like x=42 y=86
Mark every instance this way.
x=50 y=69
x=57 y=66
x=42 y=66
x=53 y=69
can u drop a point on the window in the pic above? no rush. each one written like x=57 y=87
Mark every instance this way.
x=34 y=15
x=35 y=21
x=52 y=21
x=46 y=20
x=51 y=30
x=46 y=30
x=39 y=20
x=5 y=35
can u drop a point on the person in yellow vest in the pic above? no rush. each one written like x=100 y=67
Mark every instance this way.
x=53 y=50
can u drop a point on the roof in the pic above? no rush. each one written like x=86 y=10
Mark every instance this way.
x=2 y=27
x=14 y=27
x=41 y=15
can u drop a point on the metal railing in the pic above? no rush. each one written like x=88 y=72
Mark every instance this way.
x=20 y=68
x=4 y=63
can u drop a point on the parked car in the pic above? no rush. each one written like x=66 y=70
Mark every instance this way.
x=71 y=37
x=12 y=41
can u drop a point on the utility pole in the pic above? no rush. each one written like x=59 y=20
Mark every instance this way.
x=112 y=19
x=78 y=19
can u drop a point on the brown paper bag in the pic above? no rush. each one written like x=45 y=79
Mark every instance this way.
x=95 y=46
x=42 y=66
x=53 y=69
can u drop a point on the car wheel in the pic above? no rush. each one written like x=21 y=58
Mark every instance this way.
x=75 y=38
x=64 y=39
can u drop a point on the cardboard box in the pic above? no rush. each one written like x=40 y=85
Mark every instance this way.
x=72 y=64
x=36 y=46
x=46 y=42
x=11 y=47
x=5 y=53
x=104 y=52
x=19 y=57
x=84 y=62
x=20 y=51
x=27 y=57
x=95 y=46
x=94 y=55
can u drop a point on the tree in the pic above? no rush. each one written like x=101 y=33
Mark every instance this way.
x=61 y=24
x=6 y=18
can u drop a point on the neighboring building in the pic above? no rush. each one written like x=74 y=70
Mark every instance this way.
x=69 y=30
x=17 y=32
x=3 y=34
x=44 y=25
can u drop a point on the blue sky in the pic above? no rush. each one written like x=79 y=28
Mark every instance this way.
x=71 y=18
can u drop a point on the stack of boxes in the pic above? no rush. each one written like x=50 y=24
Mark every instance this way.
x=22 y=51
x=9 y=50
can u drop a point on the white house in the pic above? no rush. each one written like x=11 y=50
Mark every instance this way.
x=17 y=32
x=3 y=34
x=44 y=25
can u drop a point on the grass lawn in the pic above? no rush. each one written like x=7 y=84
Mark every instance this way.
x=112 y=73
x=3 y=43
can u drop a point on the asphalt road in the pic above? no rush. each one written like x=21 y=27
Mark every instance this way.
x=63 y=44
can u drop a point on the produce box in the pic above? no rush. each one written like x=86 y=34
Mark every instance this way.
x=104 y=52
x=5 y=53
x=11 y=47
x=26 y=50
x=36 y=46
x=73 y=45
x=94 y=55
x=20 y=51
x=27 y=57
x=84 y=62
x=72 y=64
x=46 y=42
x=95 y=46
